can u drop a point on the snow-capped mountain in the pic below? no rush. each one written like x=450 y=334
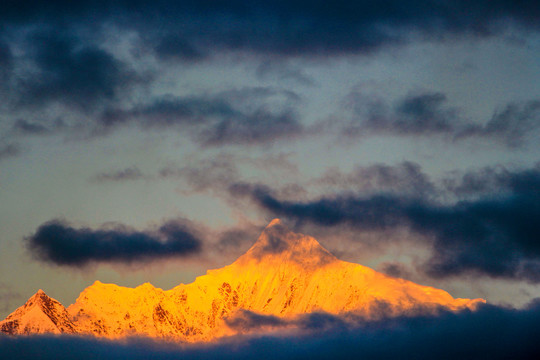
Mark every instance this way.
x=283 y=274
x=41 y=314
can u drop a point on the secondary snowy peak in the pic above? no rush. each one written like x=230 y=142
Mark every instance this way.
x=40 y=314
x=277 y=242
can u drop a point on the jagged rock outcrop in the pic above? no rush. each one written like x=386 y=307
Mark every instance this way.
x=283 y=274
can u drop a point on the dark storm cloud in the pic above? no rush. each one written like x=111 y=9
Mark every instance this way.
x=429 y=114
x=243 y=116
x=295 y=27
x=72 y=71
x=494 y=233
x=127 y=174
x=491 y=332
x=59 y=243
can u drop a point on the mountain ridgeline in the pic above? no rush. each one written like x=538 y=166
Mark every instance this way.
x=283 y=274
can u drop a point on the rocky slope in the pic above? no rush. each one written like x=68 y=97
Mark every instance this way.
x=282 y=274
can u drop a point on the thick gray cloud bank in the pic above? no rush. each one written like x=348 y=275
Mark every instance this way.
x=490 y=333
x=190 y=30
x=59 y=243
x=60 y=55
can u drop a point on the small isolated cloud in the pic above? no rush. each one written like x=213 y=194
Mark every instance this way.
x=9 y=150
x=57 y=242
x=29 y=128
x=493 y=234
x=127 y=174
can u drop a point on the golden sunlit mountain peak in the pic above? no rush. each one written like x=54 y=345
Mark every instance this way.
x=40 y=314
x=284 y=274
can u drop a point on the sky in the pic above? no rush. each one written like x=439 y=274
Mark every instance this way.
x=152 y=140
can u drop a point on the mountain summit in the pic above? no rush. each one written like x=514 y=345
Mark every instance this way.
x=277 y=243
x=283 y=274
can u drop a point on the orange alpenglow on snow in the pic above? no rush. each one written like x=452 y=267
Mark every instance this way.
x=283 y=274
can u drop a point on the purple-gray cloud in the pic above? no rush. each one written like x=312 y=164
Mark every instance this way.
x=59 y=243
